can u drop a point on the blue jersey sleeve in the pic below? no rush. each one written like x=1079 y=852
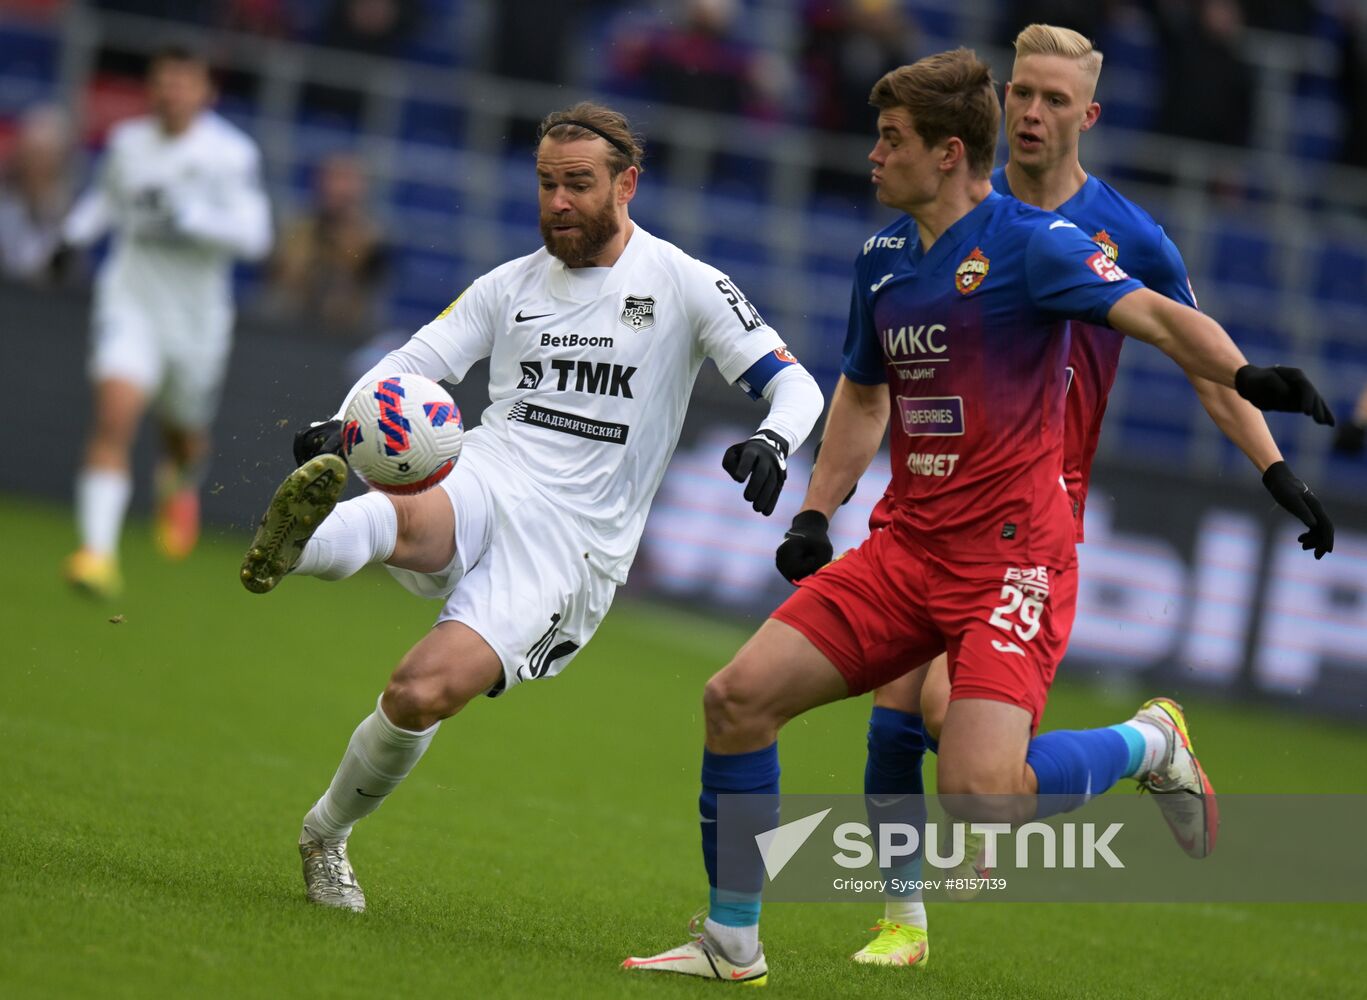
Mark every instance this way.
x=1167 y=272
x=1069 y=274
x=862 y=360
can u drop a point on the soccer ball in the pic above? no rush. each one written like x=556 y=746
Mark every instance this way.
x=402 y=434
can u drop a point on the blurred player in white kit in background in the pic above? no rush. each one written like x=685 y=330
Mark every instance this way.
x=179 y=189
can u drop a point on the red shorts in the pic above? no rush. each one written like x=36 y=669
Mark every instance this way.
x=889 y=606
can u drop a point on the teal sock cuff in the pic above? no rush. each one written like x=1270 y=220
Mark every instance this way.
x=733 y=909
x=1134 y=742
x=907 y=872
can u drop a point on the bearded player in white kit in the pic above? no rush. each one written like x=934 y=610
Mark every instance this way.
x=179 y=188
x=594 y=344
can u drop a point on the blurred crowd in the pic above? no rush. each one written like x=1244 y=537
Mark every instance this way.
x=330 y=264
x=706 y=53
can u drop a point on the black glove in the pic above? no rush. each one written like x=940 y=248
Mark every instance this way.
x=806 y=546
x=1294 y=496
x=1351 y=438
x=1282 y=388
x=323 y=437
x=764 y=461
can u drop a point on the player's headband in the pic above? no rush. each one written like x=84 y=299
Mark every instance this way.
x=616 y=144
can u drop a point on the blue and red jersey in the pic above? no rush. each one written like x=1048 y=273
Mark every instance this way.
x=1129 y=236
x=972 y=340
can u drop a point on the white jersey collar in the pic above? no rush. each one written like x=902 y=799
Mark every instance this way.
x=562 y=287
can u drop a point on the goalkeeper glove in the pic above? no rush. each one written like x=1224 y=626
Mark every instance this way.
x=806 y=546
x=1282 y=388
x=318 y=438
x=1295 y=497
x=763 y=459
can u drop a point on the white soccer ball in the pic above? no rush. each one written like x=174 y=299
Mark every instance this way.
x=402 y=434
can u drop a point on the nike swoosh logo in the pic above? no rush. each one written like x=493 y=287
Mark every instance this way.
x=631 y=963
x=519 y=318
x=1061 y=224
x=368 y=795
x=741 y=973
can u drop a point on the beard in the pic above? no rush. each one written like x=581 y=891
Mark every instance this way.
x=581 y=248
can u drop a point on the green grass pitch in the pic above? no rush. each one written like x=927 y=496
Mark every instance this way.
x=156 y=770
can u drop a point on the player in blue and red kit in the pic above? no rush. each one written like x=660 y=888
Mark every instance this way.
x=1049 y=104
x=958 y=332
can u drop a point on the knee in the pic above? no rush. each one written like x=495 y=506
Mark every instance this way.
x=733 y=706
x=965 y=782
x=113 y=434
x=421 y=693
x=718 y=704
x=981 y=794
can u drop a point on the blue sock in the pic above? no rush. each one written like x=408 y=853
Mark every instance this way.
x=897 y=746
x=1073 y=765
x=736 y=904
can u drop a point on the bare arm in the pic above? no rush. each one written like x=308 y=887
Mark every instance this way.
x=855 y=425
x=1192 y=339
x=1211 y=360
x=1241 y=422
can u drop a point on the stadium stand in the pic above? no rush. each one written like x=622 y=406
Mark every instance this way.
x=1275 y=235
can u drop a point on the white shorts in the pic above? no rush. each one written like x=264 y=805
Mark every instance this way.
x=522 y=575
x=182 y=376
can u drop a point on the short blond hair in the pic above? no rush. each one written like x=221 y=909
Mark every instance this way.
x=1051 y=40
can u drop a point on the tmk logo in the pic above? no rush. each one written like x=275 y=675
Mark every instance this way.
x=393 y=424
x=531 y=375
x=600 y=378
x=1080 y=844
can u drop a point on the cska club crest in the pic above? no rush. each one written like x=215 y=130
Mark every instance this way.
x=638 y=312
x=1103 y=240
x=971 y=272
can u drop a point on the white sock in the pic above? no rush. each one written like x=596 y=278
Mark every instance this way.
x=101 y=502
x=906 y=910
x=739 y=944
x=1155 y=745
x=357 y=533
x=379 y=756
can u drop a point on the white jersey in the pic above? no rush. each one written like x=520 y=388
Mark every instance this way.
x=591 y=370
x=181 y=208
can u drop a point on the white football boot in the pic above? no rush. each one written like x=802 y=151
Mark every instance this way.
x=702 y=957
x=1178 y=782
x=327 y=873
